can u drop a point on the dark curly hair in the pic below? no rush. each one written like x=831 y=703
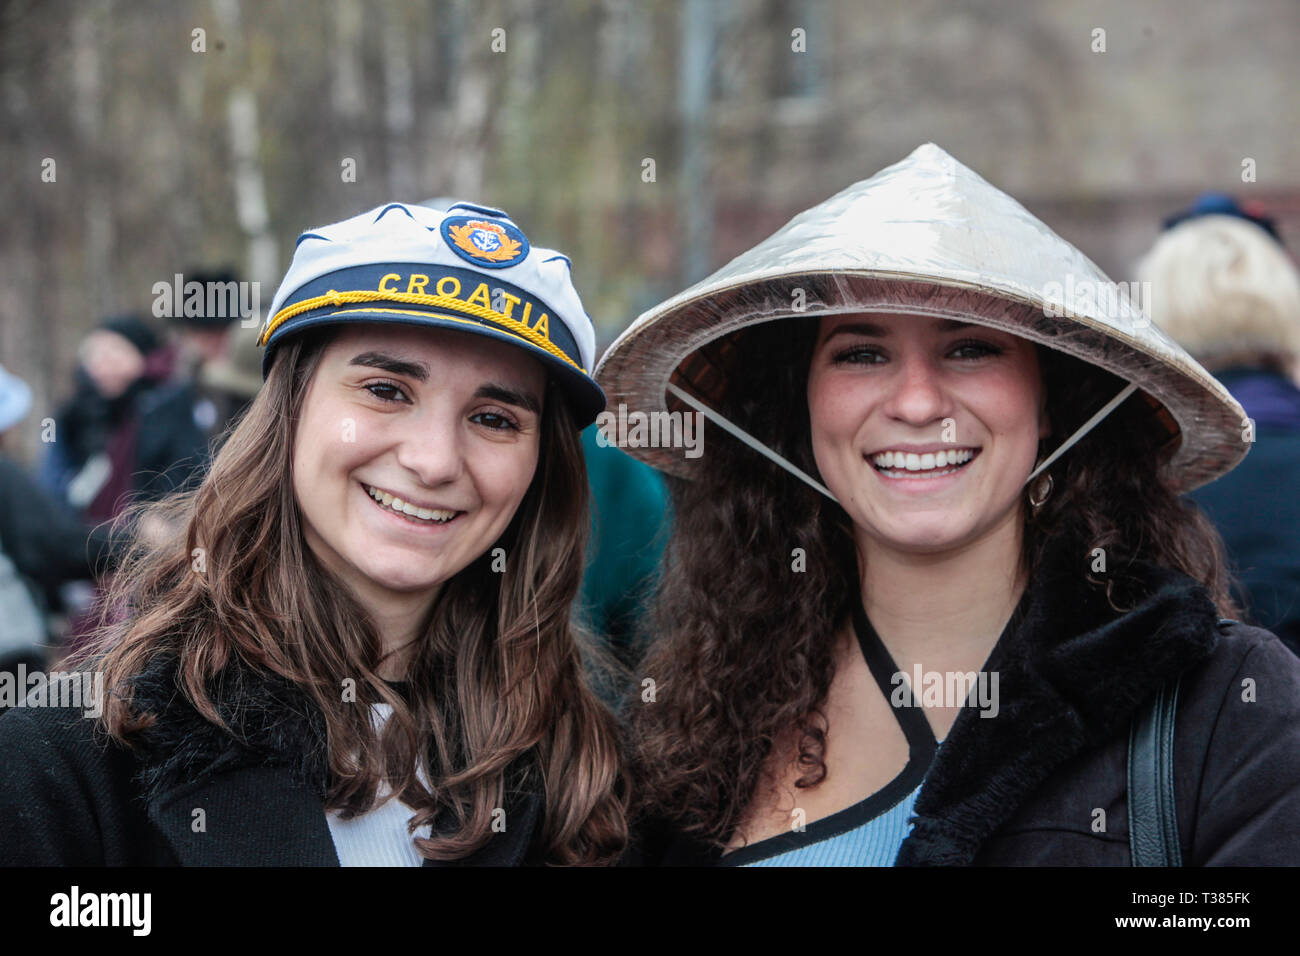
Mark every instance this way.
x=743 y=660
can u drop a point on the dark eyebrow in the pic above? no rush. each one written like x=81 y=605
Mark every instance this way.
x=880 y=332
x=510 y=396
x=395 y=366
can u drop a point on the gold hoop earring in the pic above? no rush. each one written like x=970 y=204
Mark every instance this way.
x=1040 y=490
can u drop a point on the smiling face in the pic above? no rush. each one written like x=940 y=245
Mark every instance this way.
x=925 y=429
x=443 y=425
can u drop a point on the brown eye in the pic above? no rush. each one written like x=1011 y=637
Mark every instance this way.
x=385 y=386
x=494 y=421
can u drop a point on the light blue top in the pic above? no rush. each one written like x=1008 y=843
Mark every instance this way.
x=873 y=843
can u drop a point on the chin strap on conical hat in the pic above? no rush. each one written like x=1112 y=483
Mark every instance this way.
x=766 y=452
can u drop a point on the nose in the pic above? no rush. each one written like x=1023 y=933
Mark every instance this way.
x=433 y=451
x=917 y=394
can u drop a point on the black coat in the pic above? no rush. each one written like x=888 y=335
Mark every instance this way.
x=1022 y=788
x=70 y=797
x=1256 y=506
x=47 y=542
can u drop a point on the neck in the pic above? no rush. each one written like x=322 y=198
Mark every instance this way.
x=398 y=616
x=400 y=620
x=944 y=611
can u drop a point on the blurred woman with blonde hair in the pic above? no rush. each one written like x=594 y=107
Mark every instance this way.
x=1223 y=287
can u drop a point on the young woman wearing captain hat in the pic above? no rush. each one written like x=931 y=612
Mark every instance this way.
x=358 y=650
x=927 y=470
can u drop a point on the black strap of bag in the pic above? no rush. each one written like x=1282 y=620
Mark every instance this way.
x=1152 y=821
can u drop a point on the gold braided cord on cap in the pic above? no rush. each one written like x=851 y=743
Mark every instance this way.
x=417 y=298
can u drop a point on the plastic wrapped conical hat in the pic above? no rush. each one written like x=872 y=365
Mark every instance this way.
x=929 y=237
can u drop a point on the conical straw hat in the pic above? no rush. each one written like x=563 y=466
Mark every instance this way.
x=926 y=236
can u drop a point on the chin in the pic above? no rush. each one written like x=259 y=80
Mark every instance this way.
x=924 y=538
x=398 y=576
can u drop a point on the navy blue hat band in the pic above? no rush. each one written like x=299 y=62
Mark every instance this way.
x=416 y=288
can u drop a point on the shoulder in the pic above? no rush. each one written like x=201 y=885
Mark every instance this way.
x=67 y=794
x=1245 y=654
x=54 y=714
x=1249 y=685
x=1238 y=749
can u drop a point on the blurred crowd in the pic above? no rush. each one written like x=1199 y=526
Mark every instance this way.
x=149 y=403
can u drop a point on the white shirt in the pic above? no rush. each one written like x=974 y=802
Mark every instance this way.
x=377 y=837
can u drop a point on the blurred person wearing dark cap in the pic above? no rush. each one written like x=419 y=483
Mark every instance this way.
x=124 y=436
x=1224 y=288
x=123 y=432
x=231 y=381
x=203 y=333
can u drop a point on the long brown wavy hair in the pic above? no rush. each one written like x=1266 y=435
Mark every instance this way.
x=726 y=699
x=497 y=681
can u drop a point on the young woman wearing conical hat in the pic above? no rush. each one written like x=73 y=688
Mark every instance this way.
x=931 y=575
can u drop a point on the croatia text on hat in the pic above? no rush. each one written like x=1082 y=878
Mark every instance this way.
x=449 y=286
x=444 y=289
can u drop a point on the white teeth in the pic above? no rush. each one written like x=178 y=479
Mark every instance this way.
x=927 y=462
x=406 y=508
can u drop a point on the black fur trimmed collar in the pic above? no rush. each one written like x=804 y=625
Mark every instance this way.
x=272 y=722
x=1071 y=677
x=265 y=778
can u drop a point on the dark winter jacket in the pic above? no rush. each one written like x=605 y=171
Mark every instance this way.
x=149 y=431
x=47 y=542
x=1024 y=787
x=69 y=796
x=1256 y=506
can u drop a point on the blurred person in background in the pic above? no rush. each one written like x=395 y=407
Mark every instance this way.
x=124 y=435
x=1224 y=288
x=231 y=380
x=629 y=516
x=42 y=544
x=124 y=432
x=204 y=335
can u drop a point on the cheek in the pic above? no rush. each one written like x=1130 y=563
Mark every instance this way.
x=503 y=474
x=1009 y=407
x=332 y=440
x=836 y=411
